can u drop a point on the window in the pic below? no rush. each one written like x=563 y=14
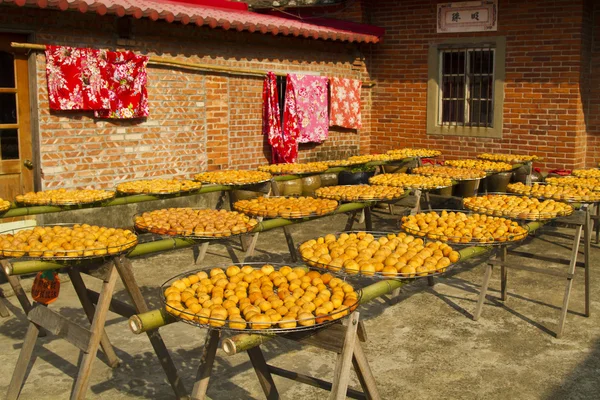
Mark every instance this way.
x=465 y=88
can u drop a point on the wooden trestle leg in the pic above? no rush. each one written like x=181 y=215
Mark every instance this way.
x=483 y=292
x=571 y=273
x=503 y=274
x=206 y=364
x=587 y=238
x=3 y=309
x=96 y=331
x=125 y=270
x=350 y=221
x=15 y=283
x=89 y=309
x=262 y=372
x=341 y=376
x=16 y=382
x=597 y=223
x=200 y=252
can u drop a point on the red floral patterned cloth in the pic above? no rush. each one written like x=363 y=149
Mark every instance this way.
x=74 y=78
x=345 y=103
x=284 y=145
x=310 y=95
x=125 y=77
x=109 y=82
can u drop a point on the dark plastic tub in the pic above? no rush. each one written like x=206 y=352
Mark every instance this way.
x=447 y=191
x=495 y=183
x=466 y=188
x=355 y=178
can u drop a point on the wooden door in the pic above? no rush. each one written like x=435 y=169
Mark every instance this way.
x=16 y=167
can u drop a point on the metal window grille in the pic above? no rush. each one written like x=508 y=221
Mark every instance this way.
x=467 y=87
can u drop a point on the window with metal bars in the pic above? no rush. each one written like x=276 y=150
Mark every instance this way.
x=466 y=86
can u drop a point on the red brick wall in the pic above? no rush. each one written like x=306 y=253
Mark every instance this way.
x=198 y=120
x=591 y=83
x=543 y=112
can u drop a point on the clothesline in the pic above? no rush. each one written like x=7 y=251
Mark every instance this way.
x=180 y=64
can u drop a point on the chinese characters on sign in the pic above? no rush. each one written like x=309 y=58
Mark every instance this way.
x=470 y=16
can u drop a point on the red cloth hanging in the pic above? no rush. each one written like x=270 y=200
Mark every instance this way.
x=345 y=103
x=284 y=147
x=125 y=78
x=74 y=78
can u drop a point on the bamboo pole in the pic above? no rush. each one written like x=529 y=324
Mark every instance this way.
x=270 y=224
x=155 y=319
x=245 y=341
x=119 y=201
x=150 y=320
x=143 y=249
x=171 y=62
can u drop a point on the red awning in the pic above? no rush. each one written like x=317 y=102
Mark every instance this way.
x=216 y=14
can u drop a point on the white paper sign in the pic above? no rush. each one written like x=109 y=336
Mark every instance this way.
x=468 y=16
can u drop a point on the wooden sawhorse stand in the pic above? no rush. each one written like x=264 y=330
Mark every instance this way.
x=500 y=259
x=96 y=306
x=3 y=309
x=336 y=338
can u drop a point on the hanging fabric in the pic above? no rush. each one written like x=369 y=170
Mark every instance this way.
x=74 y=79
x=310 y=96
x=345 y=103
x=125 y=77
x=284 y=145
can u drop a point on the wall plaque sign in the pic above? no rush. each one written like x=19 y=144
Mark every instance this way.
x=467 y=16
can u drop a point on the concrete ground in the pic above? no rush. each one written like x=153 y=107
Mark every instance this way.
x=424 y=347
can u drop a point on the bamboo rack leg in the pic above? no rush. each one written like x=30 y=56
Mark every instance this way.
x=262 y=371
x=85 y=369
x=428 y=200
x=244 y=242
x=368 y=219
x=503 y=274
x=572 y=264
x=597 y=223
x=18 y=377
x=160 y=349
x=350 y=222
x=200 y=252
x=586 y=249
x=3 y=309
x=88 y=307
x=361 y=219
x=484 y=287
x=220 y=201
x=341 y=377
x=417 y=206
x=206 y=364
x=290 y=242
x=253 y=241
x=363 y=371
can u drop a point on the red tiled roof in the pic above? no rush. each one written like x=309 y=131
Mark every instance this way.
x=214 y=13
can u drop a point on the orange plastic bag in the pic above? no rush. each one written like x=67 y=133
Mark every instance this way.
x=46 y=287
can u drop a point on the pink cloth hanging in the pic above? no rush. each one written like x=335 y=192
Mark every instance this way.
x=284 y=145
x=74 y=78
x=310 y=95
x=125 y=77
x=345 y=103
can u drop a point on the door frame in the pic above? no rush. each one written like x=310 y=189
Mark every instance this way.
x=33 y=102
